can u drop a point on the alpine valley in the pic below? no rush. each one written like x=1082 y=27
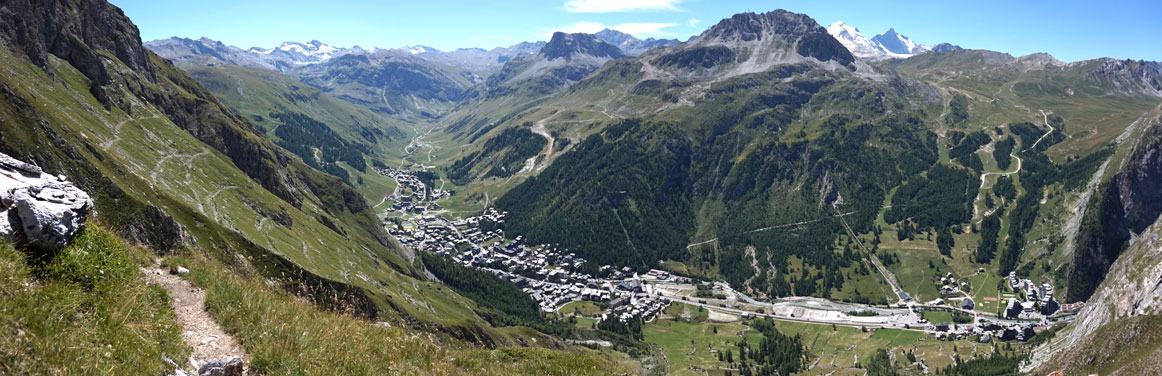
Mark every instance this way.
x=769 y=196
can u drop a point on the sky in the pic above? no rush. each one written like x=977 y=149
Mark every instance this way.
x=1070 y=30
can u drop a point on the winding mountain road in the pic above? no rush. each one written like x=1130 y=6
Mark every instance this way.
x=984 y=176
x=1046 y=119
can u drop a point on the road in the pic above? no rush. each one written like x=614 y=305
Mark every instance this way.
x=1046 y=118
x=768 y=228
x=984 y=176
x=816 y=311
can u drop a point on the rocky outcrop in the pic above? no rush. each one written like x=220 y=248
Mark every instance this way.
x=74 y=31
x=1117 y=266
x=1121 y=209
x=39 y=209
x=1129 y=76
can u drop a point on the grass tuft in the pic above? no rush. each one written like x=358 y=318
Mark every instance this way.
x=84 y=310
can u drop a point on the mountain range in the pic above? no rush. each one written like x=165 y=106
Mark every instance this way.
x=290 y=55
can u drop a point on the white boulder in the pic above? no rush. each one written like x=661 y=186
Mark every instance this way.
x=40 y=209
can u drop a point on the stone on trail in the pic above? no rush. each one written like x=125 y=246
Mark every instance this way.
x=223 y=367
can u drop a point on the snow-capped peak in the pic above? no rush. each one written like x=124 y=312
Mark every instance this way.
x=846 y=31
x=896 y=43
x=887 y=45
x=855 y=41
x=416 y=50
x=313 y=48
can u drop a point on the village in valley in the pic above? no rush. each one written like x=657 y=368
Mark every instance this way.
x=554 y=277
x=549 y=274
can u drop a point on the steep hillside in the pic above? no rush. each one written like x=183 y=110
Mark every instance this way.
x=1117 y=261
x=172 y=168
x=640 y=191
x=491 y=110
x=1121 y=209
x=329 y=134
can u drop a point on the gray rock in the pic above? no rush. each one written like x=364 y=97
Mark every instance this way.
x=42 y=210
x=222 y=367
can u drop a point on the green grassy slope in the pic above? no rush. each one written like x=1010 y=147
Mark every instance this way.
x=257 y=94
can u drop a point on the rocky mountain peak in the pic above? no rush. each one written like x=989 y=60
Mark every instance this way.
x=754 y=26
x=945 y=47
x=564 y=45
x=777 y=32
x=614 y=37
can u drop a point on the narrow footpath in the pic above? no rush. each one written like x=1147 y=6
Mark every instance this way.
x=201 y=332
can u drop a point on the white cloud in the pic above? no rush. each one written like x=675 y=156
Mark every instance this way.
x=579 y=27
x=637 y=29
x=645 y=29
x=609 y=6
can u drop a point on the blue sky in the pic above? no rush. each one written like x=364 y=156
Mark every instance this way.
x=1071 y=30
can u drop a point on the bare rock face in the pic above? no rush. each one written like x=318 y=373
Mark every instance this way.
x=42 y=210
